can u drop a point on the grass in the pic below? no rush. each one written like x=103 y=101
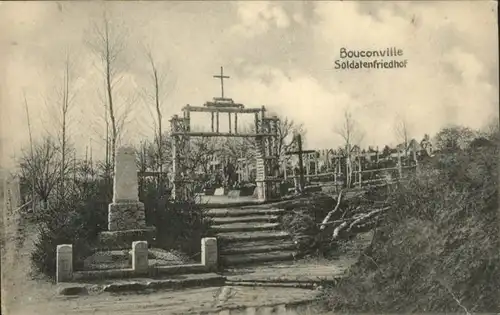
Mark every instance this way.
x=437 y=248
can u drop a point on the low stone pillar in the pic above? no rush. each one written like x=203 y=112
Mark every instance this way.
x=140 y=262
x=209 y=254
x=64 y=263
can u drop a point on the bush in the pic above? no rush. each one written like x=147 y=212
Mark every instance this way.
x=180 y=225
x=76 y=219
x=64 y=222
x=437 y=248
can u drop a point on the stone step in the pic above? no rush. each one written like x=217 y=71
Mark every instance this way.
x=146 y=284
x=244 y=227
x=254 y=258
x=234 y=212
x=107 y=265
x=232 y=237
x=298 y=285
x=257 y=247
x=256 y=218
x=121 y=259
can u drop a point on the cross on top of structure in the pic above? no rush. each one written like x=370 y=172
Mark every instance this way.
x=222 y=77
x=223 y=102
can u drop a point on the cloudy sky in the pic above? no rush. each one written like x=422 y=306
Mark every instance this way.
x=278 y=54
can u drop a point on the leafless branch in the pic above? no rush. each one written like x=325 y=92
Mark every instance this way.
x=454 y=297
x=329 y=215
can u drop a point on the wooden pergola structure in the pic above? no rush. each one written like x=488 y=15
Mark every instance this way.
x=266 y=135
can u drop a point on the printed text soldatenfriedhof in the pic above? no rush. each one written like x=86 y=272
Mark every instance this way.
x=387 y=58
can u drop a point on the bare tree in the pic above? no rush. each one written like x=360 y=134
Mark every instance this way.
x=31 y=153
x=352 y=136
x=286 y=129
x=403 y=133
x=109 y=45
x=202 y=151
x=350 y=131
x=454 y=138
x=244 y=147
x=155 y=96
x=43 y=166
x=65 y=98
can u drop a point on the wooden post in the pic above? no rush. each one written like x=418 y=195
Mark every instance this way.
x=328 y=160
x=230 y=129
x=257 y=123
x=360 y=175
x=217 y=120
x=285 y=167
x=335 y=171
x=187 y=118
x=235 y=122
x=301 y=163
x=316 y=159
x=416 y=160
x=308 y=165
x=212 y=121
x=400 y=167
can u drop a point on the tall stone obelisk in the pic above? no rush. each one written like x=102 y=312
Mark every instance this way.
x=126 y=215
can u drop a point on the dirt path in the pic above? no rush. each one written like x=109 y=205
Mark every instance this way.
x=18 y=289
x=24 y=296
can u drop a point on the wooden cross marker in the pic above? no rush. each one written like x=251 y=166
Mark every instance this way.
x=300 y=153
x=221 y=77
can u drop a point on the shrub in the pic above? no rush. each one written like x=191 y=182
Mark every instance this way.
x=75 y=219
x=180 y=225
x=437 y=248
x=63 y=222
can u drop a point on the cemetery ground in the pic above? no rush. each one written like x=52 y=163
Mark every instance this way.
x=26 y=293
x=434 y=249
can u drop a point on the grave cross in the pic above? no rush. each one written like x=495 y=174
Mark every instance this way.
x=221 y=77
x=300 y=153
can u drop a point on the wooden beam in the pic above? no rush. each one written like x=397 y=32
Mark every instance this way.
x=299 y=152
x=224 y=110
x=222 y=134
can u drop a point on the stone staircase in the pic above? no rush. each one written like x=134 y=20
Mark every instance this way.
x=250 y=236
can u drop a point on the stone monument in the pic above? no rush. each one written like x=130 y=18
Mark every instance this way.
x=126 y=217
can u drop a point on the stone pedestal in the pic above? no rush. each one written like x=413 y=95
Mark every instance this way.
x=117 y=240
x=126 y=217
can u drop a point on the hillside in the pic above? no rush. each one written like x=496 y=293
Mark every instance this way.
x=437 y=250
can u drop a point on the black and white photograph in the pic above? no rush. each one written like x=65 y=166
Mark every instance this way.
x=249 y=157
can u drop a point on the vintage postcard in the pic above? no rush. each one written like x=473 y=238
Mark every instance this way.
x=249 y=157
